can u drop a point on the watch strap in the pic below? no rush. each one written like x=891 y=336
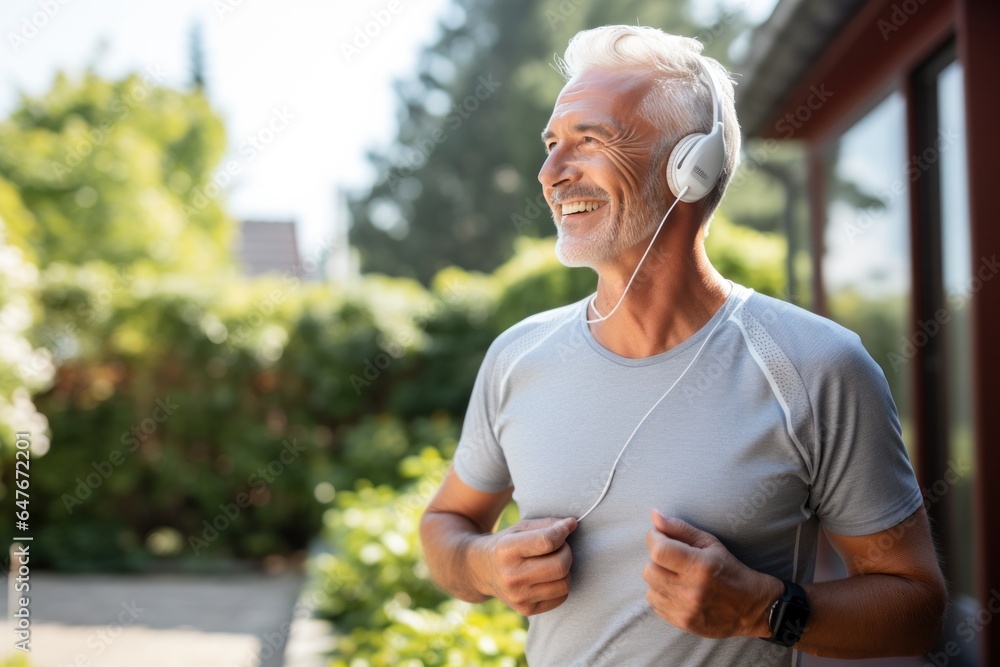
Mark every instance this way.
x=788 y=614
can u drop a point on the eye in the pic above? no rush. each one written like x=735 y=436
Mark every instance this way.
x=590 y=140
x=549 y=146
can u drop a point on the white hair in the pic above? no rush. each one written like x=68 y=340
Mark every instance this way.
x=679 y=103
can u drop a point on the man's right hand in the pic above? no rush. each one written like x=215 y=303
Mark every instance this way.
x=527 y=565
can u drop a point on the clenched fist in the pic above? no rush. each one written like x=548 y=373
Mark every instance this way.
x=698 y=586
x=527 y=565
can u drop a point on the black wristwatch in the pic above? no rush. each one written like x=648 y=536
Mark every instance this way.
x=788 y=615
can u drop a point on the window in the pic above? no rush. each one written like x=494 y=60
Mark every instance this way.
x=956 y=276
x=866 y=256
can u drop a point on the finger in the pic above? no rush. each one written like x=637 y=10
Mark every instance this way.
x=528 y=525
x=552 y=566
x=550 y=590
x=678 y=529
x=663 y=605
x=668 y=553
x=547 y=605
x=659 y=600
x=660 y=578
x=548 y=539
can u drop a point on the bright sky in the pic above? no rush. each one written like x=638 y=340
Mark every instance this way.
x=262 y=58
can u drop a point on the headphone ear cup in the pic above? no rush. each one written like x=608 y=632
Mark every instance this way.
x=696 y=163
x=675 y=178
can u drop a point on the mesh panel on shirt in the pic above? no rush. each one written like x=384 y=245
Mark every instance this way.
x=785 y=383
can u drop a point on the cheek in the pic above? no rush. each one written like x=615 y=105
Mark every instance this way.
x=630 y=164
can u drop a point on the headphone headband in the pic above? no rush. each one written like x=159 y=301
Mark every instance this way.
x=697 y=161
x=716 y=105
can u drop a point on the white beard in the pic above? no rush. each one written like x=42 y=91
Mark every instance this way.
x=610 y=236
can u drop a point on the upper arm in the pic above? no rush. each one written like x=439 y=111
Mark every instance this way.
x=905 y=550
x=456 y=497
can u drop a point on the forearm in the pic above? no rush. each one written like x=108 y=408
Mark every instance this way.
x=870 y=616
x=873 y=615
x=449 y=542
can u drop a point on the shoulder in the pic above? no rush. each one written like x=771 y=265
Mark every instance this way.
x=820 y=349
x=536 y=328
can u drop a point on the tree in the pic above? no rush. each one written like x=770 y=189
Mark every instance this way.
x=458 y=184
x=120 y=172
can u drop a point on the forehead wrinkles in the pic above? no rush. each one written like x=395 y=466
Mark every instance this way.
x=611 y=94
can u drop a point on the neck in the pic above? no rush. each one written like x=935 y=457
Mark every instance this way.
x=675 y=292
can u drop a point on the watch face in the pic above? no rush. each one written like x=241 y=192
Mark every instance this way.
x=772 y=616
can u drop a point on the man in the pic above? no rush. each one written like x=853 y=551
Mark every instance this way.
x=674 y=459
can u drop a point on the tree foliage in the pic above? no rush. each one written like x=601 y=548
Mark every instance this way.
x=457 y=185
x=118 y=172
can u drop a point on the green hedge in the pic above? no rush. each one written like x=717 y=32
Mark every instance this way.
x=194 y=421
x=173 y=396
x=24 y=368
x=375 y=587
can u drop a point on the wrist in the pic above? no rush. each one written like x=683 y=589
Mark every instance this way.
x=475 y=556
x=770 y=588
x=788 y=615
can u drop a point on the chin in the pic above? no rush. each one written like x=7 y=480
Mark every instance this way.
x=575 y=252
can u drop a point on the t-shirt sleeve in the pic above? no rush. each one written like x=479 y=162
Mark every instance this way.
x=479 y=459
x=863 y=482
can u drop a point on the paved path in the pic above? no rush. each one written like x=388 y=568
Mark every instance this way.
x=158 y=620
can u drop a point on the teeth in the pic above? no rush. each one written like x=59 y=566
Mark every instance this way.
x=576 y=207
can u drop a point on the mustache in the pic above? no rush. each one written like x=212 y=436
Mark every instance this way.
x=578 y=192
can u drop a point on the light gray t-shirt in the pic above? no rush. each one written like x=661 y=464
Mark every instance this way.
x=783 y=422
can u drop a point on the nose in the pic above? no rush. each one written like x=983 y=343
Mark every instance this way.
x=557 y=170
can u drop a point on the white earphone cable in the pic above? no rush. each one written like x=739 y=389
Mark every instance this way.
x=601 y=318
x=614 y=465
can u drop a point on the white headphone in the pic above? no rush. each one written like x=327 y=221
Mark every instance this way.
x=698 y=159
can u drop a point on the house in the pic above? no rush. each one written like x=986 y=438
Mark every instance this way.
x=894 y=105
x=268 y=247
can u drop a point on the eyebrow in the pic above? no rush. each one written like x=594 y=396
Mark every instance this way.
x=600 y=129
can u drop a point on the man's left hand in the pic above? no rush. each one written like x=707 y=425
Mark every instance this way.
x=696 y=585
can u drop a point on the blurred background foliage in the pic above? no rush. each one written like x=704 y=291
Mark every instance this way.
x=185 y=416
x=459 y=179
x=83 y=163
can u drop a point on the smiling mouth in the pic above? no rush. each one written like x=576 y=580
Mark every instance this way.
x=580 y=207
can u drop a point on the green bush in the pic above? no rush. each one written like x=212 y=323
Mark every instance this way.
x=748 y=257
x=23 y=367
x=376 y=588
x=173 y=398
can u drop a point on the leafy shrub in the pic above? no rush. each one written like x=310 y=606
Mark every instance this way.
x=748 y=257
x=377 y=590
x=23 y=366
x=170 y=402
